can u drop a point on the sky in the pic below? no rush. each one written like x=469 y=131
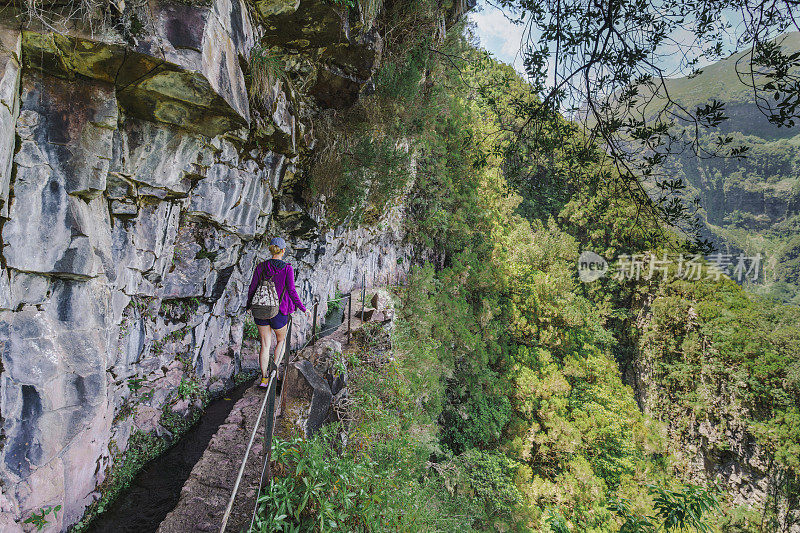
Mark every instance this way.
x=498 y=34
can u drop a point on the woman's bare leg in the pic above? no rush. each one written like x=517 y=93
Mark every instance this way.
x=265 y=333
x=280 y=334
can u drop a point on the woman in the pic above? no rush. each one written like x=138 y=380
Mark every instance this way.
x=282 y=275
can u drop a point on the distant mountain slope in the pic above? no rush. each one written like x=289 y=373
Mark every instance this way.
x=721 y=81
x=750 y=205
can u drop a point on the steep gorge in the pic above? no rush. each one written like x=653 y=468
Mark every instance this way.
x=147 y=154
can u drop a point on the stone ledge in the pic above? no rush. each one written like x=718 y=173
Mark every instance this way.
x=343 y=48
x=147 y=87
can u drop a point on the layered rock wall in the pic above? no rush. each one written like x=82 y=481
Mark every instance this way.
x=137 y=183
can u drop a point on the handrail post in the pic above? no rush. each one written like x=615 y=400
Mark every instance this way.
x=269 y=421
x=314 y=324
x=349 y=314
x=363 y=294
x=287 y=355
x=287 y=347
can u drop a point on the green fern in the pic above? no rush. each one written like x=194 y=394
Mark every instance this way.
x=39 y=519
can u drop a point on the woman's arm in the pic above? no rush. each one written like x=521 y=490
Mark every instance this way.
x=292 y=291
x=253 y=285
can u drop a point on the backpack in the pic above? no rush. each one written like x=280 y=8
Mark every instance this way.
x=266 y=303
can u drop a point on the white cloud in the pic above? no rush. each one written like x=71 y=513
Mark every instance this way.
x=498 y=34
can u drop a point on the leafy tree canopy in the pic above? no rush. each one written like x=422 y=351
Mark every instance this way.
x=606 y=64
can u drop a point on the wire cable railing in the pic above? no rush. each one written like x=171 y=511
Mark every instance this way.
x=268 y=404
x=268 y=398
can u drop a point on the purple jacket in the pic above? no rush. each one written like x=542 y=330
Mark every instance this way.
x=283 y=276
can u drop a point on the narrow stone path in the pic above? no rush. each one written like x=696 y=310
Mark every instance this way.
x=206 y=492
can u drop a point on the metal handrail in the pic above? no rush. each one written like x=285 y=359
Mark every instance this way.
x=346 y=296
x=269 y=427
x=318 y=334
x=229 y=508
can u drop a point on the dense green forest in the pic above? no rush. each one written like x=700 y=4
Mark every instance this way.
x=519 y=398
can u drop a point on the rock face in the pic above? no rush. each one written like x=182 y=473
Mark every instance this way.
x=137 y=183
x=321 y=396
x=341 y=41
x=717 y=446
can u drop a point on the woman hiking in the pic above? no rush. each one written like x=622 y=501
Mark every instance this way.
x=273 y=277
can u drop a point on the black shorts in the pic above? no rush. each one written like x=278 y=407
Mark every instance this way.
x=276 y=322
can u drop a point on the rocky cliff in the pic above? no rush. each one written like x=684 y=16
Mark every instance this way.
x=712 y=411
x=139 y=175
